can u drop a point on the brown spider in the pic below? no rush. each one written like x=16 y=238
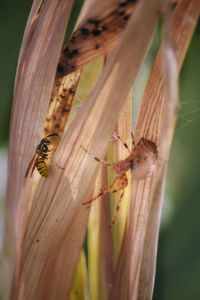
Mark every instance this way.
x=142 y=161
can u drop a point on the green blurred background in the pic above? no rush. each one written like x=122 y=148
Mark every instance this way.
x=178 y=269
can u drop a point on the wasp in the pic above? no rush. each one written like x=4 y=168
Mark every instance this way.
x=40 y=158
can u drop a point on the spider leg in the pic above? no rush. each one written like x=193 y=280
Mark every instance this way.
x=133 y=141
x=117 y=208
x=113 y=184
x=104 y=192
x=124 y=183
x=103 y=162
x=125 y=144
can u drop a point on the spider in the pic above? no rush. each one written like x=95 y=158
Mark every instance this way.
x=141 y=160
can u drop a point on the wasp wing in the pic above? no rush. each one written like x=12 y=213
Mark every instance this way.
x=31 y=166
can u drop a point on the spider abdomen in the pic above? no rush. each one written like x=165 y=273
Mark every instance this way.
x=144 y=159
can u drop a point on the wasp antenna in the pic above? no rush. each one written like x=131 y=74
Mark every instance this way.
x=52 y=134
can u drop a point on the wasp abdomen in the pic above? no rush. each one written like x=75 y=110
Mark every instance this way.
x=42 y=167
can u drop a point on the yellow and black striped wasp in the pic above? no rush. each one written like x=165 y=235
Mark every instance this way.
x=40 y=158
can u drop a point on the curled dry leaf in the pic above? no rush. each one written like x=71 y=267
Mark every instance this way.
x=60 y=103
x=33 y=84
x=139 y=249
x=181 y=23
x=96 y=36
x=56 y=207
